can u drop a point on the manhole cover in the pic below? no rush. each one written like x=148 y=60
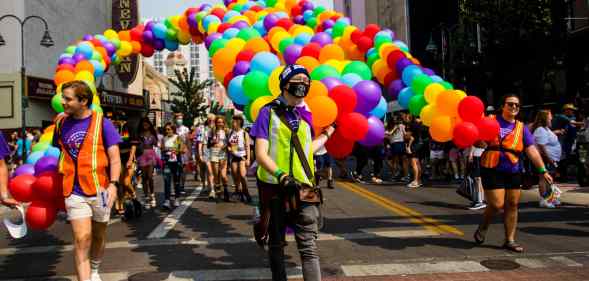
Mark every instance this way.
x=500 y=264
x=149 y=276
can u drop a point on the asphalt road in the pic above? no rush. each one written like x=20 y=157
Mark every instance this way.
x=370 y=230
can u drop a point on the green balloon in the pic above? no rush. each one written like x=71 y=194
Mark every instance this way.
x=285 y=43
x=116 y=42
x=247 y=112
x=248 y=33
x=271 y=3
x=217 y=45
x=372 y=58
x=42 y=146
x=312 y=22
x=447 y=85
x=70 y=50
x=237 y=7
x=379 y=41
x=318 y=10
x=255 y=85
x=416 y=104
x=360 y=68
x=338 y=29
x=324 y=71
x=56 y=103
x=419 y=83
x=96 y=56
x=201 y=15
x=171 y=34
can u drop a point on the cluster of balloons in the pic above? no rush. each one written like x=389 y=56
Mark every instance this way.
x=249 y=43
x=37 y=181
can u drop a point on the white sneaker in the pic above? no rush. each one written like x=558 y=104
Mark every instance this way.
x=212 y=194
x=166 y=204
x=546 y=204
x=176 y=203
x=139 y=186
x=95 y=277
x=153 y=202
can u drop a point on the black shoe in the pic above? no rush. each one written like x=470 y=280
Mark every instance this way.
x=225 y=195
x=330 y=184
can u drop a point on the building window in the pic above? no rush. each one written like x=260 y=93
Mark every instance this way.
x=158 y=61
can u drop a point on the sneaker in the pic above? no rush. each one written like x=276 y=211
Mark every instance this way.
x=414 y=184
x=456 y=177
x=153 y=202
x=167 y=204
x=139 y=186
x=176 y=203
x=477 y=206
x=330 y=184
x=406 y=179
x=95 y=277
x=545 y=204
x=212 y=194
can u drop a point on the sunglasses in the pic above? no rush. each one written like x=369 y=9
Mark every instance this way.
x=512 y=104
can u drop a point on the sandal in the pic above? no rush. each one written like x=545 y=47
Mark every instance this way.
x=479 y=236
x=513 y=246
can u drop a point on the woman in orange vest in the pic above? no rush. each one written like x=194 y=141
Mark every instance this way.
x=501 y=171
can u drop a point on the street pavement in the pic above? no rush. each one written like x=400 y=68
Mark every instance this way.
x=372 y=232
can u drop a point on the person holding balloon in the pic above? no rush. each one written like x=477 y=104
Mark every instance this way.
x=91 y=167
x=4 y=196
x=283 y=131
x=502 y=170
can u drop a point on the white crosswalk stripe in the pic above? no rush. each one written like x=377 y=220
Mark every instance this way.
x=172 y=219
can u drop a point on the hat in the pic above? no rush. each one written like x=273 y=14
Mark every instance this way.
x=569 y=106
x=490 y=108
x=16 y=230
x=290 y=71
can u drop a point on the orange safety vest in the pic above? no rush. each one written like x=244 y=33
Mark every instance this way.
x=91 y=167
x=511 y=145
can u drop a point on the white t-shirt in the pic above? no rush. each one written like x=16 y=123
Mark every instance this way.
x=397 y=134
x=237 y=143
x=549 y=140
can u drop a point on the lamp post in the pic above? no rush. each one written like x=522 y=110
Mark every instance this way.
x=47 y=42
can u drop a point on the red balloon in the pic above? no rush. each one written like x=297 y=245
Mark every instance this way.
x=339 y=147
x=227 y=79
x=365 y=43
x=371 y=30
x=356 y=35
x=296 y=10
x=345 y=98
x=96 y=42
x=471 y=109
x=48 y=186
x=245 y=55
x=41 y=215
x=224 y=26
x=190 y=11
x=465 y=134
x=137 y=34
x=312 y=50
x=257 y=8
x=21 y=188
x=147 y=50
x=65 y=66
x=390 y=77
x=220 y=13
x=353 y=126
x=393 y=57
x=488 y=128
x=285 y=23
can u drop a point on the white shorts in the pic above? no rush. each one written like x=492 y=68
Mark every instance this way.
x=79 y=207
x=436 y=154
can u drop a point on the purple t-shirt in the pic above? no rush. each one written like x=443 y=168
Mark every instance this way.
x=505 y=164
x=261 y=126
x=73 y=133
x=4 y=149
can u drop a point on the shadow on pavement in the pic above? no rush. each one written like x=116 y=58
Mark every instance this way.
x=32 y=265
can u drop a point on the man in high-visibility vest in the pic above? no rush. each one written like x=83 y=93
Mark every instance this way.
x=280 y=166
x=90 y=164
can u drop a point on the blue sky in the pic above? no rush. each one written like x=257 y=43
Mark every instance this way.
x=164 y=8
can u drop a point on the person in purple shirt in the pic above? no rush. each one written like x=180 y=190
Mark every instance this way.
x=502 y=182
x=4 y=197
x=88 y=213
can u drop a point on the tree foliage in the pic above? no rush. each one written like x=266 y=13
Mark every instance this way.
x=189 y=99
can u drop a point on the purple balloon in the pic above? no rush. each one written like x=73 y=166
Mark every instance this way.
x=402 y=63
x=299 y=19
x=67 y=60
x=149 y=25
x=368 y=93
x=331 y=82
x=209 y=40
x=321 y=38
x=241 y=68
x=110 y=48
x=375 y=134
x=327 y=24
x=148 y=36
x=191 y=19
x=428 y=71
x=395 y=88
x=159 y=44
x=24 y=169
x=292 y=53
x=87 y=37
x=79 y=57
x=45 y=164
x=308 y=6
x=270 y=21
x=240 y=24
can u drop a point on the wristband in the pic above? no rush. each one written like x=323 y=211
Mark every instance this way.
x=542 y=170
x=278 y=173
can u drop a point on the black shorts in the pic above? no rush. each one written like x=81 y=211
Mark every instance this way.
x=475 y=167
x=237 y=159
x=493 y=179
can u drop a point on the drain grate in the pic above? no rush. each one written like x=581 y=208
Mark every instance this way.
x=149 y=276
x=500 y=264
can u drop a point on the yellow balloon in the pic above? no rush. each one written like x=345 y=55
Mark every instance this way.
x=279 y=36
x=432 y=91
x=95 y=100
x=46 y=137
x=184 y=37
x=447 y=102
x=235 y=44
x=386 y=49
x=274 y=81
x=111 y=34
x=238 y=18
x=85 y=75
x=174 y=20
x=213 y=27
x=258 y=104
x=298 y=29
x=125 y=50
x=427 y=114
x=338 y=65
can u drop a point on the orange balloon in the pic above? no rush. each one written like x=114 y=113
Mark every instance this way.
x=63 y=76
x=380 y=69
x=415 y=61
x=102 y=52
x=257 y=45
x=183 y=23
x=223 y=62
x=308 y=62
x=354 y=53
x=317 y=89
x=324 y=111
x=331 y=52
x=447 y=102
x=251 y=15
x=442 y=128
x=136 y=47
x=84 y=65
x=275 y=30
x=386 y=49
x=124 y=35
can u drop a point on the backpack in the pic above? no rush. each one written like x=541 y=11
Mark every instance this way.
x=467 y=189
x=132 y=209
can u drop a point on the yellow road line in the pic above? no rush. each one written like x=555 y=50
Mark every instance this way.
x=403 y=211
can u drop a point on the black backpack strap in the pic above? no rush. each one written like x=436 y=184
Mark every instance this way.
x=297 y=146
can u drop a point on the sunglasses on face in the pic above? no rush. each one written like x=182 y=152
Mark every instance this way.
x=512 y=104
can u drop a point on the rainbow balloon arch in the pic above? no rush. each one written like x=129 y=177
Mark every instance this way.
x=249 y=43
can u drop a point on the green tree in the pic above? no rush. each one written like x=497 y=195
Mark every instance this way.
x=189 y=99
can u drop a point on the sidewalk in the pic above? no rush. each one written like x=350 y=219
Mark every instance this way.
x=572 y=194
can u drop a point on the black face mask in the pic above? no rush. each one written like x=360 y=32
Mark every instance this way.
x=299 y=90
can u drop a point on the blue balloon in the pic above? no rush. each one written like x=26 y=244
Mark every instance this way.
x=281 y=15
x=303 y=39
x=208 y=20
x=230 y=33
x=160 y=30
x=229 y=15
x=259 y=26
x=307 y=15
x=409 y=73
x=35 y=156
x=84 y=49
x=264 y=62
x=401 y=45
x=404 y=97
x=235 y=91
x=437 y=78
x=98 y=69
x=171 y=45
x=381 y=109
x=351 y=79
x=52 y=151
